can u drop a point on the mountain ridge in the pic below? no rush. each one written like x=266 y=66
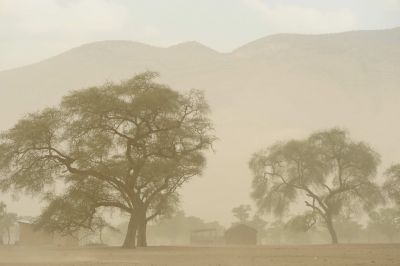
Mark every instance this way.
x=105 y=44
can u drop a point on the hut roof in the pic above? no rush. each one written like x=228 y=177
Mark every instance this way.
x=240 y=227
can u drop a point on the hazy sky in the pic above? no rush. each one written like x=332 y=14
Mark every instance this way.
x=32 y=30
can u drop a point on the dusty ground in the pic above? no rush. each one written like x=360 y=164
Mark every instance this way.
x=378 y=255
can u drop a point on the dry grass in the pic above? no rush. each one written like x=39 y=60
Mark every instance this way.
x=377 y=255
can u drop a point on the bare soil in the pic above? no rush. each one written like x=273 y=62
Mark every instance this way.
x=321 y=255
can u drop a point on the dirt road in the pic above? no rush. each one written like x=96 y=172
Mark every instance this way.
x=321 y=255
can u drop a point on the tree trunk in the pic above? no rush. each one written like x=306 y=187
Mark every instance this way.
x=9 y=236
x=130 y=238
x=142 y=230
x=331 y=229
x=101 y=236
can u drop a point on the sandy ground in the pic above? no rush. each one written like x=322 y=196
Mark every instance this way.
x=378 y=255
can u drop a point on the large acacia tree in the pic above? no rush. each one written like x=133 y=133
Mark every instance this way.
x=128 y=146
x=328 y=171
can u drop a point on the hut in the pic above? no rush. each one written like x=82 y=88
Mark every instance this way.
x=28 y=236
x=203 y=236
x=241 y=235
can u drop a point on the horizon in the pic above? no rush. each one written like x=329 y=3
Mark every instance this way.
x=36 y=31
x=197 y=42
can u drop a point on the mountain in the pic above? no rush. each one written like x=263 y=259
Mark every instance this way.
x=278 y=87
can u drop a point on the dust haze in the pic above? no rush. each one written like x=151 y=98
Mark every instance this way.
x=129 y=147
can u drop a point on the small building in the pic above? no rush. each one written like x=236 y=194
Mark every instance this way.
x=241 y=235
x=207 y=236
x=203 y=236
x=28 y=236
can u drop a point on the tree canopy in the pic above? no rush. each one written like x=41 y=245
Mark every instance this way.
x=328 y=170
x=385 y=221
x=392 y=183
x=242 y=213
x=128 y=146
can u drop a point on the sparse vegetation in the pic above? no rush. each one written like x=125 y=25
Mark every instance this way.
x=7 y=220
x=328 y=171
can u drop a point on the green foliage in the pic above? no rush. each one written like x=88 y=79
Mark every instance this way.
x=281 y=232
x=242 y=213
x=129 y=146
x=328 y=169
x=386 y=221
x=301 y=223
x=391 y=186
x=77 y=208
x=259 y=224
x=348 y=229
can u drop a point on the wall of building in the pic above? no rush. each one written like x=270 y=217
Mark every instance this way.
x=241 y=235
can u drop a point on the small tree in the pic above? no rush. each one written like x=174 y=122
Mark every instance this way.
x=301 y=223
x=347 y=228
x=328 y=171
x=2 y=214
x=242 y=213
x=128 y=146
x=7 y=220
x=260 y=225
x=385 y=222
x=392 y=184
x=274 y=233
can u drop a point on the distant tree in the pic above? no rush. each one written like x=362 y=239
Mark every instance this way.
x=301 y=223
x=128 y=146
x=102 y=226
x=385 y=222
x=275 y=232
x=260 y=225
x=2 y=214
x=291 y=231
x=242 y=213
x=347 y=228
x=392 y=184
x=7 y=220
x=176 y=229
x=3 y=207
x=328 y=170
